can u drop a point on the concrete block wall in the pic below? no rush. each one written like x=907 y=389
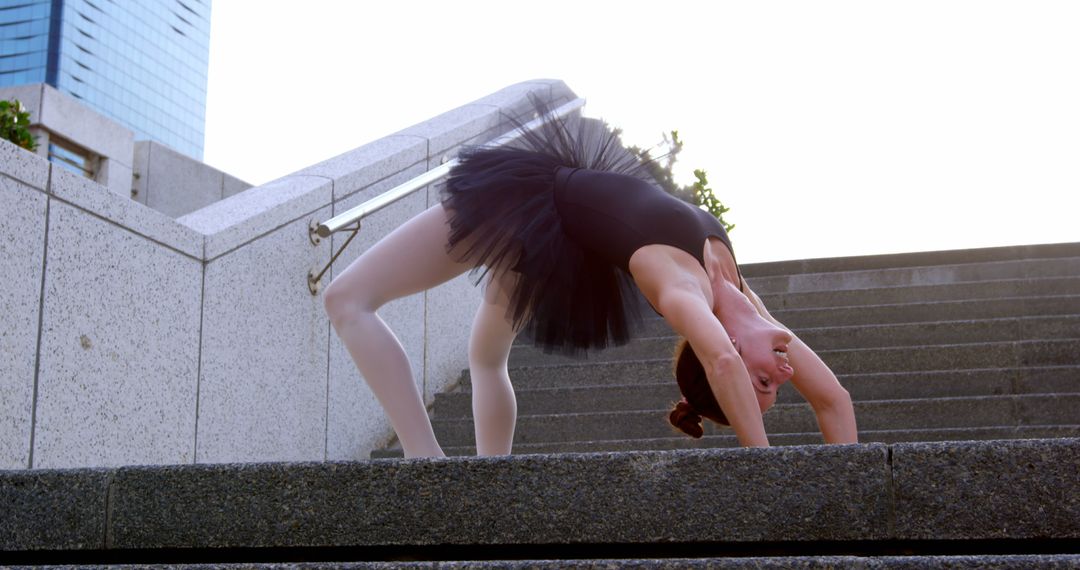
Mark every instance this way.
x=175 y=184
x=22 y=253
x=130 y=337
x=100 y=350
x=53 y=113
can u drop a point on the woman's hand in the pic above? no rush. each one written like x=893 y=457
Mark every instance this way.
x=819 y=386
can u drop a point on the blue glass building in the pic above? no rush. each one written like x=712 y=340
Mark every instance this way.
x=142 y=63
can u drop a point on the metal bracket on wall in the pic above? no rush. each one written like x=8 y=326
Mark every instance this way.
x=313 y=279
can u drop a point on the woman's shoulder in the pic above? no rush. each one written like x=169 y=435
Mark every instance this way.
x=658 y=269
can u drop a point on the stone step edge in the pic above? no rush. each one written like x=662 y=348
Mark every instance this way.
x=778 y=407
x=839 y=308
x=1033 y=555
x=865 y=436
x=523 y=448
x=540 y=558
x=464 y=382
x=465 y=388
x=650 y=318
x=986 y=320
x=916 y=286
x=825 y=329
x=937 y=258
x=864 y=492
x=867 y=359
x=580 y=364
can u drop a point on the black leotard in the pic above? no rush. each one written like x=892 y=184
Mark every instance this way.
x=565 y=214
x=614 y=215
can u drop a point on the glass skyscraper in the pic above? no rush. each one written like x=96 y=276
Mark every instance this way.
x=142 y=63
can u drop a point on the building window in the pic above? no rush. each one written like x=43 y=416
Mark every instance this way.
x=72 y=157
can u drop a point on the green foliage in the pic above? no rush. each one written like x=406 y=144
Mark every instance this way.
x=698 y=193
x=704 y=197
x=15 y=123
x=661 y=168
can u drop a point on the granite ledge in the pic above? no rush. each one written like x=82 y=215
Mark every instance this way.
x=125 y=212
x=47 y=509
x=987 y=489
x=361 y=167
x=240 y=218
x=794 y=494
x=803 y=494
x=23 y=165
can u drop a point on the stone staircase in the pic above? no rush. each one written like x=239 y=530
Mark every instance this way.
x=941 y=346
x=965 y=370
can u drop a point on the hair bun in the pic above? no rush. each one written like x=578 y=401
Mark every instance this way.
x=684 y=417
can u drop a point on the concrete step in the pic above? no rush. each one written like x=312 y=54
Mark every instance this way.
x=1018 y=328
x=783 y=498
x=908 y=276
x=798 y=319
x=913 y=259
x=953 y=357
x=1060 y=352
x=657 y=562
x=971 y=290
x=844 y=337
x=1050 y=287
x=937 y=413
x=581 y=399
x=943 y=332
x=776 y=439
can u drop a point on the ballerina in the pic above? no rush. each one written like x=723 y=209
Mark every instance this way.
x=565 y=229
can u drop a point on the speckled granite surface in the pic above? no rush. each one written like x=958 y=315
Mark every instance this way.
x=870 y=493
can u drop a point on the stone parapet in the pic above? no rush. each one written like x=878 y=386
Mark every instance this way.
x=54 y=115
x=914 y=259
x=175 y=184
x=822 y=495
x=141 y=338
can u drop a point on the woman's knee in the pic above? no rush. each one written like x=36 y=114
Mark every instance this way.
x=342 y=301
x=487 y=361
x=491 y=336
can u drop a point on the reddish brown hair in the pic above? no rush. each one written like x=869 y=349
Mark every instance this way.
x=698 y=399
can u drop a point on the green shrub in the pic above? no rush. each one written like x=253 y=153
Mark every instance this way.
x=698 y=193
x=704 y=197
x=15 y=124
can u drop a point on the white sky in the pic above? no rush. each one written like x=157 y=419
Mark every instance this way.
x=828 y=127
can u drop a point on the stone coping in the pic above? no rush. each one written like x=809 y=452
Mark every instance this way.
x=23 y=165
x=912 y=259
x=1021 y=489
x=230 y=223
x=772 y=562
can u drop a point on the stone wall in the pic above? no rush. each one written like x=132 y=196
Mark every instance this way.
x=129 y=337
x=175 y=184
x=54 y=115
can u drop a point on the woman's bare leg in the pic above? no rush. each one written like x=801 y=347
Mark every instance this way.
x=410 y=259
x=493 y=402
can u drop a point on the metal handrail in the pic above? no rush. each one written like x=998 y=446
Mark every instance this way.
x=349 y=220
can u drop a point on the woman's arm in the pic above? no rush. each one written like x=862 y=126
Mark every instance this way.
x=681 y=298
x=831 y=402
x=817 y=383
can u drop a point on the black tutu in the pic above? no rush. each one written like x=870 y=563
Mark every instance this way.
x=503 y=216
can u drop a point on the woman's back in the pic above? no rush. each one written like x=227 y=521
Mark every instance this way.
x=614 y=215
